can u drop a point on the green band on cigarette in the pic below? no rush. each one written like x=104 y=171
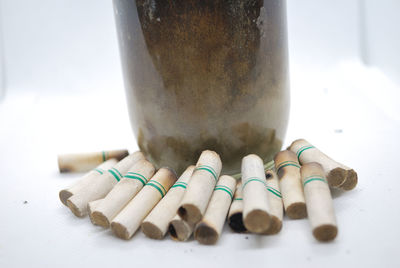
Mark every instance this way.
x=274 y=191
x=313 y=178
x=114 y=174
x=159 y=184
x=99 y=170
x=209 y=169
x=302 y=149
x=137 y=174
x=253 y=179
x=134 y=177
x=156 y=187
x=225 y=190
x=285 y=164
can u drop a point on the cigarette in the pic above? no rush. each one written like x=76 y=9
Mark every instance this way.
x=102 y=185
x=200 y=187
x=92 y=205
x=235 y=215
x=180 y=230
x=86 y=180
x=83 y=162
x=275 y=202
x=256 y=207
x=288 y=169
x=338 y=175
x=123 y=192
x=209 y=229
x=155 y=225
x=129 y=219
x=319 y=202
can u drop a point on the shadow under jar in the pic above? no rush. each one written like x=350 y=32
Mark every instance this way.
x=205 y=74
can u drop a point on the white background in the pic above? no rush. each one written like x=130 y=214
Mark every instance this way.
x=64 y=93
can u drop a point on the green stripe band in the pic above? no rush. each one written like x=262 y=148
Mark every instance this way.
x=119 y=173
x=226 y=187
x=104 y=155
x=302 y=149
x=285 y=164
x=274 y=191
x=239 y=199
x=179 y=185
x=159 y=184
x=209 y=169
x=253 y=179
x=99 y=170
x=313 y=178
x=225 y=190
x=156 y=187
x=137 y=174
x=115 y=175
x=135 y=178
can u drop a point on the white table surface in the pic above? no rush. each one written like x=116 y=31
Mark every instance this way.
x=353 y=114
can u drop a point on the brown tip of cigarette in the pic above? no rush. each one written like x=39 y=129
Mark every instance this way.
x=120 y=230
x=120 y=154
x=257 y=221
x=326 y=232
x=235 y=221
x=64 y=195
x=189 y=213
x=351 y=180
x=77 y=212
x=337 y=177
x=297 y=210
x=205 y=234
x=179 y=230
x=275 y=226
x=100 y=219
x=151 y=230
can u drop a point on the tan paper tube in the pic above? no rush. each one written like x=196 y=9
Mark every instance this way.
x=209 y=229
x=92 y=205
x=319 y=202
x=256 y=207
x=102 y=186
x=275 y=202
x=338 y=175
x=83 y=162
x=123 y=192
x=180 y=230
x=288 y=170
x=155 y=225
x=86 y=180
x=200 y=187
x=235 y=215
x=129 y=219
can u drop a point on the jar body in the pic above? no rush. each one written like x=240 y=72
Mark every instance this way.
x=205 y=74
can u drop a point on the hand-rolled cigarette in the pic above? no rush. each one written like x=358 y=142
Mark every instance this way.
x=275 y=202
x=92 y=205
x=83 y=162
x=155 y=225
x=338 y=175
x=235 y=215
x=123 y=192
x=86 y=180
x=288 y=169
x=200 y=187
x=179 y=229
x=129 y=219
x=102 y=185
x=209 y=229
x=256 y=207
x=319 y=202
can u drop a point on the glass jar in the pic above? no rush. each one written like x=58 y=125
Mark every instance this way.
x=205 y=74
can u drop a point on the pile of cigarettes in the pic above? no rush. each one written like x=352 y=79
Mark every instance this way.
x=125 y=192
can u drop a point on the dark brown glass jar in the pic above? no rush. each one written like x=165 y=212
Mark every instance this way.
x=205 y=74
